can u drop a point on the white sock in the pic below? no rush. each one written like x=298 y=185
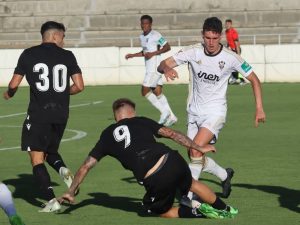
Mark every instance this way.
x=164 y=102
x=212 y=167
x=196 y=166
x=6 y=201
x=154 y=101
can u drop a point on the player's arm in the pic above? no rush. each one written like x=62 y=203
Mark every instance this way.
x=89 y=163
x=184 y=140
x=166 y=67
x=159 y=51
x=138 y=54
x=237 y=46
x=13 y=86
x=78 y=84
x=256 y=87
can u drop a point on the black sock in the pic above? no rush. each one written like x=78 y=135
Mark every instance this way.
x=43 y=178
x=219 y=204
x=55 y=161
x=187 y=212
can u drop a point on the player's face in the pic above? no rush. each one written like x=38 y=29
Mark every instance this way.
x=212 y=41
x=228 y=25
x=59 y=38
x=146 y=26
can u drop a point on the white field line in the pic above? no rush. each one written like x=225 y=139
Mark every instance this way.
x=78 y=134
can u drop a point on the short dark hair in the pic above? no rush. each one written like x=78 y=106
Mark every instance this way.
x=228 y=20
x=146 y=17
x=213 y=24
x=52 y=25
x=122 y=102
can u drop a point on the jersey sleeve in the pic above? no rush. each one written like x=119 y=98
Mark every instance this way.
x=243 y=67
x=98 y=152
x=185 y=55
x=161 y=41
x=21 y=66
x=73 y=68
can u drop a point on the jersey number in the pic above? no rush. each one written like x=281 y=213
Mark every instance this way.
x=122 y=133
x=59 y=72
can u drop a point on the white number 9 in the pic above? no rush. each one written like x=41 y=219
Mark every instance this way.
x=122 y=133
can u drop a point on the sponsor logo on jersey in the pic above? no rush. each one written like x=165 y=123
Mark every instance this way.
x=161 y=41
x=208 y=77
x=246 y=67
x=221 y=65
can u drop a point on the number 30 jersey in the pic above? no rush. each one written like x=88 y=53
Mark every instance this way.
x=132 y=142
x=48 y=69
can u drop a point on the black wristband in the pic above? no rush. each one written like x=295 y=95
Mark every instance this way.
x=11 y=91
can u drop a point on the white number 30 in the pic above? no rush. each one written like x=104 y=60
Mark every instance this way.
x=59 y=72
x=122 y=133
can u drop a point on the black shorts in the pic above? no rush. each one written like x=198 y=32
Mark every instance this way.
x=161 y=186
x=43 y=137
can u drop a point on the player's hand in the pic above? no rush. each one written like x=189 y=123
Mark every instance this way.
x=128 y=56
x=66 y=197
x=208 y=148
x=5 y=95
x=260 y=117
x=171 y=74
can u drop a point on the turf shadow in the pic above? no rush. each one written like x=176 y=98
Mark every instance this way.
x=287 y=198
x=26 y=189
x=127 y=204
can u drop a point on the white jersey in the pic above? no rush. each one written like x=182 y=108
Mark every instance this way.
x=209 y=76
x=150 y=43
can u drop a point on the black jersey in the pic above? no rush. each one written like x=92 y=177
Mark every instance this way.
x=48 y=68
x=132 y=142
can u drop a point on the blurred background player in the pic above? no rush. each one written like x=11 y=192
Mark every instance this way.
x=210 y=67
x=161 y=170
x=7 y=204
x=233 y=43
x=48 y=69
x=153 y=45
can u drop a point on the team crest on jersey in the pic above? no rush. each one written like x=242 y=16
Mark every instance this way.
x=221 y=65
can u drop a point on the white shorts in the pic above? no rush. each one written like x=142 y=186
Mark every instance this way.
x=152 y=77
x=152 y=80
x=212 y=122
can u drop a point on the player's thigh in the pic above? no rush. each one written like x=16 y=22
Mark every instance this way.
x=57 y=132
x=161 y=187
x=35 y=136
x=205 y=128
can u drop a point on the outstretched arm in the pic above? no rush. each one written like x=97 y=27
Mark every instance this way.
x=256 y=87
x=184 y=140
x=13 y=86
x=138 y=54
x=89 y=163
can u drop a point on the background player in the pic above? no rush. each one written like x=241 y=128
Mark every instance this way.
x=210 y=67
x=233 y=43
x=161 y=170
x=154 y=44
x=48 y=69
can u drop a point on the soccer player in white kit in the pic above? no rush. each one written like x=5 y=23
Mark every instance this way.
x=154 y=44
x=211 y=65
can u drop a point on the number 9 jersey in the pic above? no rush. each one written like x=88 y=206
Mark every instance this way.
x=48 y=69
x=132 y=142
